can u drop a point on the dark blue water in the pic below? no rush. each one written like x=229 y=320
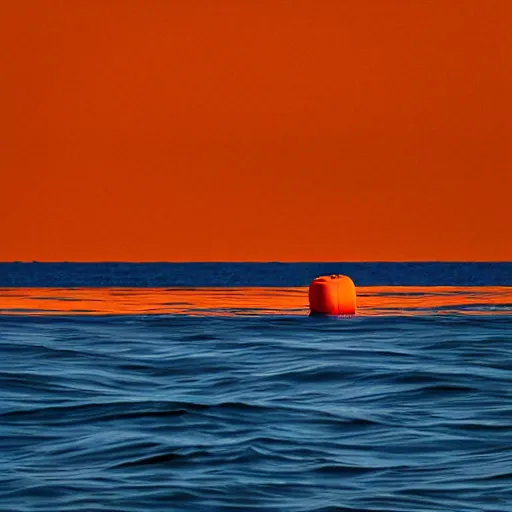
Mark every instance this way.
x=251 y=274
x=405 y=410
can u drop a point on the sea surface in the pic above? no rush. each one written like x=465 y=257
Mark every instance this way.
x=207 y=387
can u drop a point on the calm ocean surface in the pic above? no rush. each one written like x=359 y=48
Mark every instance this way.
x=206 y=387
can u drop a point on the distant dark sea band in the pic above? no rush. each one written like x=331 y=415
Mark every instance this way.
x=151 y=275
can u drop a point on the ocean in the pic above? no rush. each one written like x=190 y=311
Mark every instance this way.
x=132 y=387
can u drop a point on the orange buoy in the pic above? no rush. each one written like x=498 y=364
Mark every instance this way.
x=332 y=295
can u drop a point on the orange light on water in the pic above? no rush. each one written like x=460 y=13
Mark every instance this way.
x=417 y=300
x=371 y=301
x=150 y=301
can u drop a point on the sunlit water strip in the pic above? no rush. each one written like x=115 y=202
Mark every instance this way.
x=244 y=301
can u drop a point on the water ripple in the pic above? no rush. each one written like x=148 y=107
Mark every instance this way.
x=131 y=411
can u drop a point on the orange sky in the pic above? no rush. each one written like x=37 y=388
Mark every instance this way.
x=255 y=130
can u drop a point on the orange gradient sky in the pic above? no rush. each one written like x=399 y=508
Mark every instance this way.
x=261 y=130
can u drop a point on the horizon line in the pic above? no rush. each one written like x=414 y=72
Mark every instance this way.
x=257 y=262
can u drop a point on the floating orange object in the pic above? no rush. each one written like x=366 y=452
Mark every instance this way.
x=332 y=295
